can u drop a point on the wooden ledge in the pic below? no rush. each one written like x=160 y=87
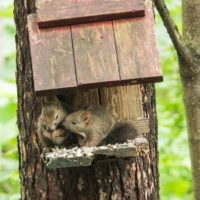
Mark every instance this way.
x=77 y=157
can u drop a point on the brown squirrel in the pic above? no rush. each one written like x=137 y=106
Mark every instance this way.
x=49 y=124
x=95 y=126
x=121 y=132
x=91 y=125
x=59 y=137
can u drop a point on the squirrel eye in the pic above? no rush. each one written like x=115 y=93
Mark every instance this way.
x=57 y=116
x=74 y=122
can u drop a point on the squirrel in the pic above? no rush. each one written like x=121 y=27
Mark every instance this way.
x=95 y=126
x=121 y=132
x=91 y=125
x=50 y=131
x=59 y=137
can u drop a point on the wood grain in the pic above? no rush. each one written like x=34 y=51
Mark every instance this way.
x=141 y=125
x=95 y=54
x=124 y=101
x=85 y=11
x=79 y=157
x=52 y=58
x=137 y=48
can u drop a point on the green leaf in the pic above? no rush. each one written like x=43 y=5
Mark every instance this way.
x=8 y=12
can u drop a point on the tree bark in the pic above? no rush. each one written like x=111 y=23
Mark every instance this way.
x=187 y=46
x=190 y=74
x=126 y=179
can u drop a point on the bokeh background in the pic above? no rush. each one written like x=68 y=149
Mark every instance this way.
x=174 y=162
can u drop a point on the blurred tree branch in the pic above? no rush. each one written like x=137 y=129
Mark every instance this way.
x=182 y=50
x=188 y=50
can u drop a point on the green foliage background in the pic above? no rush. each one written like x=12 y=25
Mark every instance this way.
x=174 y=164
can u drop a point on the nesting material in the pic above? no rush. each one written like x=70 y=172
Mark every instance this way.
x=84 y=156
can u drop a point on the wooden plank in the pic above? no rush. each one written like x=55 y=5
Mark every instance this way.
x=52 y=58
x=69 y=12
x=76 y=161
x=95 y=54
x=84 y=156
x=125 y=102
x=141 y=125
x=137 y=48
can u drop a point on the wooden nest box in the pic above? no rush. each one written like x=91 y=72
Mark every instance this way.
x=92 y=43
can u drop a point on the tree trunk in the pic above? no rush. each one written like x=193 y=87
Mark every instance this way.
x=126 y=179
x=187 y=46
x=191 y=85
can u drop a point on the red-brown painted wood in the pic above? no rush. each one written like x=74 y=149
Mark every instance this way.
x=95 y=54
x=52 y=58
x=68 y=12
x=137 y=48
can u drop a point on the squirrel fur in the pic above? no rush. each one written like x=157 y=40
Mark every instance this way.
x=50 y=131
x=91 y=125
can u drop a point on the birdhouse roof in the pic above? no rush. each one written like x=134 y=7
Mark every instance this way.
x=84 y=43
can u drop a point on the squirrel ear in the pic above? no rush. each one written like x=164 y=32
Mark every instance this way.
x=57 y=103
x=48 y=100
x=86 y=117
x=44 y=101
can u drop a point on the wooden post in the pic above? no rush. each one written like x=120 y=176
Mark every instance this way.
x=135 y=178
